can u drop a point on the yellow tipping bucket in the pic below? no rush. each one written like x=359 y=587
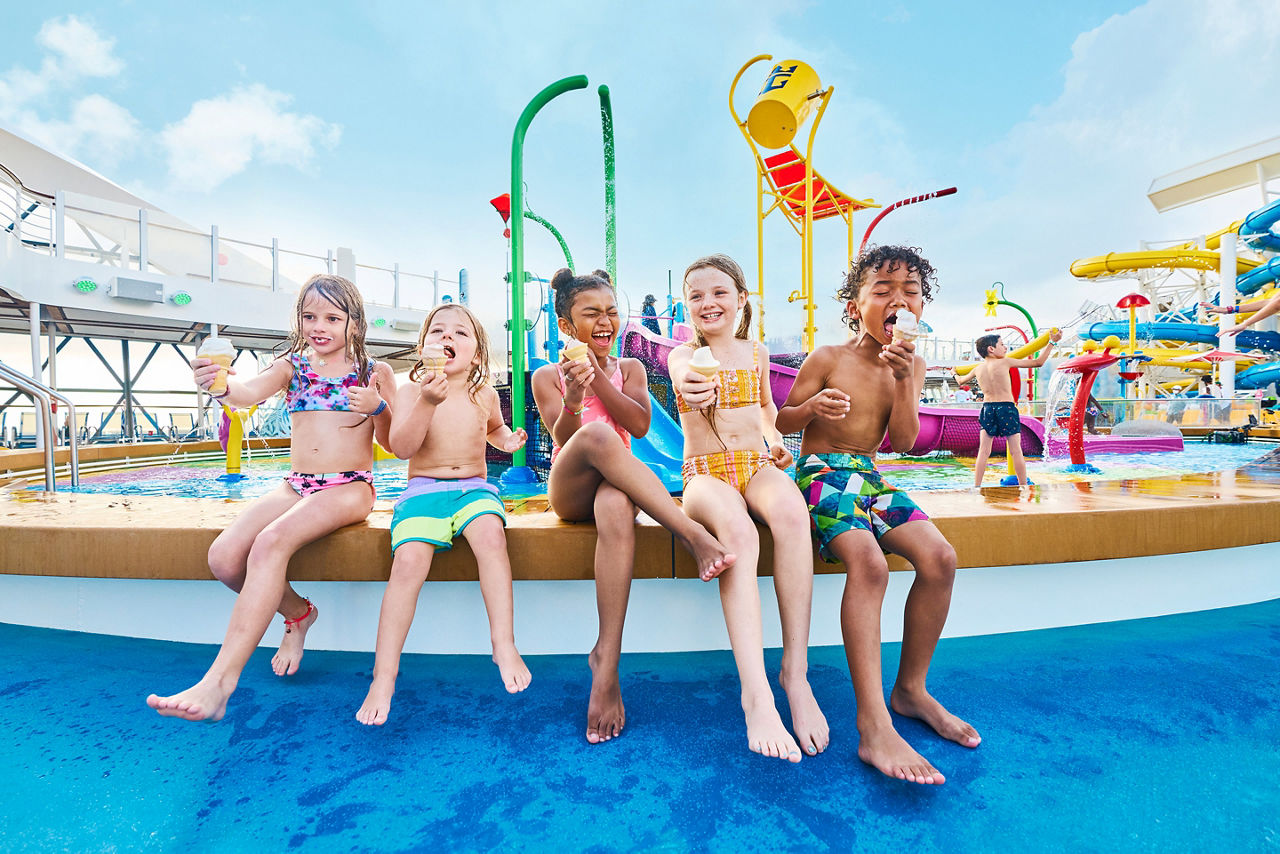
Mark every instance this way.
x=783 y=104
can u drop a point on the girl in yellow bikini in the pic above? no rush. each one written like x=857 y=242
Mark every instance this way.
x=733 y=477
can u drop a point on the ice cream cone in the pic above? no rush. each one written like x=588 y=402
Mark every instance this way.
x=705 y=362
x=221 y=352
x=434 y=357
x=576 y=352
x=906 y=327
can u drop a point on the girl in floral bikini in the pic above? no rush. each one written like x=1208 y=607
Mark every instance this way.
x=335 y=395
x=733 y=475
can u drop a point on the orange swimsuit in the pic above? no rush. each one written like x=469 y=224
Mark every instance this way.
x=738 y=388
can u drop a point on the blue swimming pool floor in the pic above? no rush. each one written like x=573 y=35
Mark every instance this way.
x=1149 y=735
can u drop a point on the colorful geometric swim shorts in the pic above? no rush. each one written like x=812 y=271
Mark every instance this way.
x=436 y=510
x=845 y=492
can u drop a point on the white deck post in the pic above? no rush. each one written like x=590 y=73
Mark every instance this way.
x=213 y=254
x=1227 y=297
x=36 y=373
x=143 y=260
x=435 y=288
x=395 y=294
x=59 y=225
x=275 y=264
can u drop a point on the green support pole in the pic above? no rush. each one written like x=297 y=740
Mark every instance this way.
x=518 y=325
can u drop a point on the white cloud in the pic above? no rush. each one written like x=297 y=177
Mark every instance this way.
x=96 y=127
x=220 y=136
x=1168 y=84
x=78 y=49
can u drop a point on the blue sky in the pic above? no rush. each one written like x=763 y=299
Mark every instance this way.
x=386 y=127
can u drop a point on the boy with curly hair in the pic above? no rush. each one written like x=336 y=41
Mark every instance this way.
x=846 y=399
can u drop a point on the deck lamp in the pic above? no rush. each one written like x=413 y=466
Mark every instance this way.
x=380 y=322
x=86 y=286
x=180 y=298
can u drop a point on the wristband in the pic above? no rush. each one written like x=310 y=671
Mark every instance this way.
x=1235 y=309
x=218 y=396
x=382 y=406
x=581 y=408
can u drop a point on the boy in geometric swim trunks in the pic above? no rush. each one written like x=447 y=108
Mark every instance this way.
x=999 y=415
x=847 y=398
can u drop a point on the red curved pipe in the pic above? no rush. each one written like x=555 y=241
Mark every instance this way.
x=911 y=201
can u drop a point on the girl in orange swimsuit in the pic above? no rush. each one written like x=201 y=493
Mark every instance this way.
x=335 y=394
x=592 y=408
x=733 y=475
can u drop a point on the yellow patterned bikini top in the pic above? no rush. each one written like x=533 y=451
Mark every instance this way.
x=737 y=388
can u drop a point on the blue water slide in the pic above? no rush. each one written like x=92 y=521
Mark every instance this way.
x=1259 y=277
x=662 y=448
x=1195 y=333
x=1256 y=228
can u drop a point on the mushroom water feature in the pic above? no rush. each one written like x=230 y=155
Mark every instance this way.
x=1087 y=365
x=1133 y=302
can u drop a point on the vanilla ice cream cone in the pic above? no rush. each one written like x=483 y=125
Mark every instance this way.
x=434 y=357
x=906 y=327
x=705 y=362
x=576 y=352
x=221 y=352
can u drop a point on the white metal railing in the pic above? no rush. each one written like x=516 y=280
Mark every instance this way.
x=43 y=397
x=85 y=228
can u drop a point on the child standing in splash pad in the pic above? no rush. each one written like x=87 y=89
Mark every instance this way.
x=734 y=474
x=335 y=396
x=444 y=415
x=592 y=403
x=999 y=415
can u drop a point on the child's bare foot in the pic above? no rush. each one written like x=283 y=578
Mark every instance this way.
x=883 y=749
x=204 y=701
x=515 y=676
x=766 y=733
x=285 y=662
x=807 y=720
x=606 y=715
x=377 y=703
x=923 y=707
x=711 y=557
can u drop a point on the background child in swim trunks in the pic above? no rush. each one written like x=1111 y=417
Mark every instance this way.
x=733 y=473
x=999 y=415
x=443 y=417
x=336 y=401
x=592 y=408
x=847 y=399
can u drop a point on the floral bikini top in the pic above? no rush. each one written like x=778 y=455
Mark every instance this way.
x=310 y=392
x=737 y=388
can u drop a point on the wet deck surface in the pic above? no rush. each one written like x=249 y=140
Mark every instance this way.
x=138 y=537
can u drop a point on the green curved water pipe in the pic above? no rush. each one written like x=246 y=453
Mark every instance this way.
x=518 y=325
x=610 y=201
x=564 y=247
x=1035 y=333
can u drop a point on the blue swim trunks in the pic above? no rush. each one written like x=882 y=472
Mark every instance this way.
x=435 y=511
x=1000 y=419
x=845 y=493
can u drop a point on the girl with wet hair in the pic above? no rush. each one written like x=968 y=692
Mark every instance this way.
x=336 y=396
x=591 y=406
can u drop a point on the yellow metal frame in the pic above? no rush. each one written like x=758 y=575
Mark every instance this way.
x=780 y=201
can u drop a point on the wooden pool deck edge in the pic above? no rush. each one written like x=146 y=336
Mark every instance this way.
x=97 y=536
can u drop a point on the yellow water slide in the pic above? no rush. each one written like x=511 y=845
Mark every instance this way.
x=1178 y=258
